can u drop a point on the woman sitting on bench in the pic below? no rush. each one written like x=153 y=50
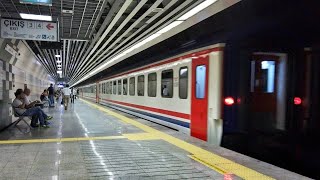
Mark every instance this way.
x=44 y=98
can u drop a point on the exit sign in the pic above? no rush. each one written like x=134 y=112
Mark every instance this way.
x=38 y=2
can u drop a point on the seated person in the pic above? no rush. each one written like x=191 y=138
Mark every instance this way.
x=29 y=104
x=21 y=109
x=44 y=97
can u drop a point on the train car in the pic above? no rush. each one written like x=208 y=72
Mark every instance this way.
x=257 y=94
x=183 y=92
x=246 y=102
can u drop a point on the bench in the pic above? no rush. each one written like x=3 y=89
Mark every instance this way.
x=20 y=118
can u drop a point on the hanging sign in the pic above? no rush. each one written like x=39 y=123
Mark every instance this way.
x=29 y=30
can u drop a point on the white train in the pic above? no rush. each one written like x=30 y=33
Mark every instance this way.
x=183 y=92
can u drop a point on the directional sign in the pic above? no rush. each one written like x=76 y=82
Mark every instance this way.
x=29 y=30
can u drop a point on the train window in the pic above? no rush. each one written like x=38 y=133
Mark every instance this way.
x=114 y=87
x=152 y=85
x=167 y=83
x=119 y=87
x=262 y=76
x=107 y=88
x=183 y=83
x=140 y=88
x=132 y=86
x=201 y=81
x=110 y=88
x=125 y=86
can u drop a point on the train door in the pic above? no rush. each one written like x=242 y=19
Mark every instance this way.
x=199 y=101
x=268 y=91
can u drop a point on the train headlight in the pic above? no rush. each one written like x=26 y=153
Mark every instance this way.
x=297 y=101
x=229 y=101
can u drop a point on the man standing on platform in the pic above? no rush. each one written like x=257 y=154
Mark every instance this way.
x=51 y=95
x=66 y=96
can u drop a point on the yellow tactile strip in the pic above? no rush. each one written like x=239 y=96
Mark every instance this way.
x=60 y=140
x=141 y=136
x=218 y=163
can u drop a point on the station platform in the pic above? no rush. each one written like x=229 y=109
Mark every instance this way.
x=89 y=141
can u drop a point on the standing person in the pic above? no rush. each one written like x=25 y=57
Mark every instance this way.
x=51 y=95
x=73 y=95
x=66 y=96
x=165 y=91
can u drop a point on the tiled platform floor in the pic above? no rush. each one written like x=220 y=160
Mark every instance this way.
x=114 y=158
x=94 y=159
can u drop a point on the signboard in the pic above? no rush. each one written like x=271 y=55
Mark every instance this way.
x=10 y=50
x=39 y=2
x=29 y=30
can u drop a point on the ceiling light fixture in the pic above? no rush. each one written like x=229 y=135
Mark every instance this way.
x=172 y=25
x=169 y=27
x=196 y=9
x=57 y=55
x=59 y=72
x=35 y=17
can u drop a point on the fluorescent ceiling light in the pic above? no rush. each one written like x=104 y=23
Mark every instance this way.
x=196 y=9
x=36 y=17
x=150 y=38
x=169 y=27
x=57 y=56
x=59 y=72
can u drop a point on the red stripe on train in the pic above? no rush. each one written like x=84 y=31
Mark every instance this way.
x=162 y=111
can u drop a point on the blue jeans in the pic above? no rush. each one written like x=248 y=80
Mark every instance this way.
x=38 y=112
x=51 y=98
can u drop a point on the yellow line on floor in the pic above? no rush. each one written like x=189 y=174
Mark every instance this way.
x=213 y=161
x=61 y=140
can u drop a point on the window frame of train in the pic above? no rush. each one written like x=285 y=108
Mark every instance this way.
x=114 y=90
x=125 y=86
x=110 y=87
x=185 y=93
x=152 y=92
x=132 y=91
x=105 y=88
x=168 y=71
x=119 y=87
x=140 y=85
x=201 y=93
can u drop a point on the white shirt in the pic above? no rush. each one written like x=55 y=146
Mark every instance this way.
x=74 y=92
x=27 y=100
x=66 y=91
x=165 y=92
x=16 y=103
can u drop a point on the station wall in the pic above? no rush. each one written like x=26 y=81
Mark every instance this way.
x=18 y=69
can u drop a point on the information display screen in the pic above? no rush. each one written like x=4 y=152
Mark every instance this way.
x=37 y=2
